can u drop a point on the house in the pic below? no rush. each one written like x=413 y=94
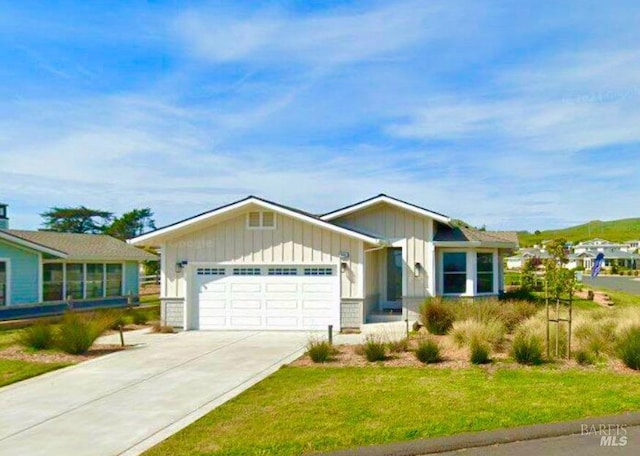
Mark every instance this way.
x=49 y=267
x=518 y=260
x=257 y=264
x=614 y=254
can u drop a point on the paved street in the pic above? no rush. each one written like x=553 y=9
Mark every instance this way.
x=558 y=446
x=627 y=284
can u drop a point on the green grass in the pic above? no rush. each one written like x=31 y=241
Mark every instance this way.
x=302 y=410
x=615 y=231
x=9 y=337
x=13 y=370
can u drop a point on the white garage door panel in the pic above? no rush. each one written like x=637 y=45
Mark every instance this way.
x=280 y=304
x=316 y=287
x=295 y=302
x=246 y=287
x=282 y=322
x=309 y=304
x=282 y=288
x=213 y=304
x=254 y=322
x=246 y=304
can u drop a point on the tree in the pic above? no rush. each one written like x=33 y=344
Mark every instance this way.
x=560 y=280
x=131 y=224
x=529 y=275
x=76 y=220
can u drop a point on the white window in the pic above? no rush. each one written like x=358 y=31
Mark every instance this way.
x=484 y=280
x=318 y=271
x=454 y=268
x=261 y=220
x=246 y=271
x=283 y=271
x=210 y=271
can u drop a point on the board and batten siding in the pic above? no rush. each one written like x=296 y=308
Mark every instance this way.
x=24 y=273
x=405 y=229
x=292 y=241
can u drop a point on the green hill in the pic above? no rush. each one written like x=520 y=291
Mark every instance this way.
x=615 y=231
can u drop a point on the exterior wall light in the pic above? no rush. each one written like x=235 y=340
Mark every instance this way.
x=343 y=266
x=417 y=269
x=180 y=266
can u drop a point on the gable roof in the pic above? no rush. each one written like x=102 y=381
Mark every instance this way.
x=75 y=246
x=286 y=210
x=382 y=198
x=444 y=235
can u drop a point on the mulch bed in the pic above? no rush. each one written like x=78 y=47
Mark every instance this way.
x=453 y=357
x=18 y=352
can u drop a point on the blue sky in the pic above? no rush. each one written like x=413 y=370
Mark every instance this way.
x=513 y=114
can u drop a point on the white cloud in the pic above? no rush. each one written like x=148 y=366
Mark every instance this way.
x=341 y=35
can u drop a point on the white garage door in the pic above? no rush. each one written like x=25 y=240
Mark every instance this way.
x=268 y=297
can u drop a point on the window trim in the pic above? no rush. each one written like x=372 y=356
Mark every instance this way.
x=7 y=276
x=104 y=264
x=444 y=273
x=261 y=226
x=493 y=273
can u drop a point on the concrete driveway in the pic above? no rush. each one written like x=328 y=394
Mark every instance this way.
x=126 y=402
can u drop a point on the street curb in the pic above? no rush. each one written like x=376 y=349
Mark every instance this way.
x=488 y=438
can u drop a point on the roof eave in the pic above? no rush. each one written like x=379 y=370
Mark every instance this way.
x=32 y=245
x=148 y=238
x=385 y=199
x=499 y=245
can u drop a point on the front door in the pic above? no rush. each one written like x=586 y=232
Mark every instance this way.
x=3 y=283
x=394 y=278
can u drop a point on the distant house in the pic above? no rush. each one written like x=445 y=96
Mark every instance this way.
x=614 y=254
x=583 y=255
x=49 y=267
x=518 y=260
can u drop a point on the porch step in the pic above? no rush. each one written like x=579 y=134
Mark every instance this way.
x=384 y=317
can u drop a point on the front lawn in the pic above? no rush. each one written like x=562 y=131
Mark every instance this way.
x=301 y=410
x=14 y=370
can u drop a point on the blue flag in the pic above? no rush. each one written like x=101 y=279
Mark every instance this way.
x=597 y=265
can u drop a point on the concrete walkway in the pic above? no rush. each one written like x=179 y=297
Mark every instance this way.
x=126 y=402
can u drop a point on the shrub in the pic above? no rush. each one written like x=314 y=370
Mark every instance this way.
x=374 y=348
x=596 y=336
x=436 y=316
x=38 y=336
x=162 y=329
x=584 y=357
x=479 y=352
x=490 y=332
x=139 y=317
x=399 y=346
x=527 y=348
x=510 y=312
x=628 y=348
x=428 y=351
x=319 y=351
x=119 y=319
x=79 y=331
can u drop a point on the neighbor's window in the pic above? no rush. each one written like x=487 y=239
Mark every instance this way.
x=484 y=283
x=52 y=280
x=263 y=219
x=454 y=272
x=75 y=280
x=95 y=280
x=114 y=279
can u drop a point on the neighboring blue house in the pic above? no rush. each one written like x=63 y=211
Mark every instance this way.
x=44 y=267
